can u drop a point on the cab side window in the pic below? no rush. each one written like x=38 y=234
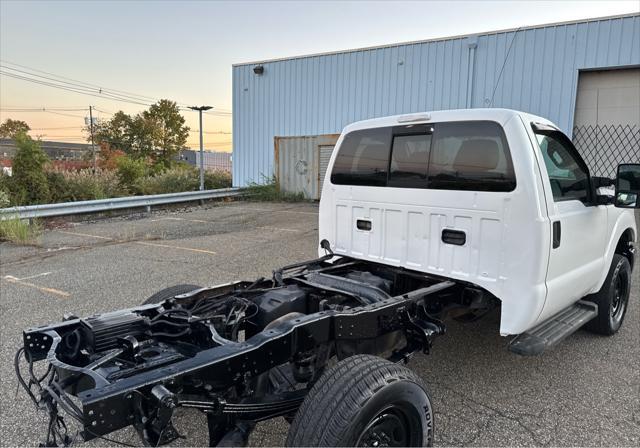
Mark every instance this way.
x=568 y=178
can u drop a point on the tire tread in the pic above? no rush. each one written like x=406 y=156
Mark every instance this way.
x=338 y=396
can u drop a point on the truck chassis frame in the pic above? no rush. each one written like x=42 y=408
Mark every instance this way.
x=234 y=382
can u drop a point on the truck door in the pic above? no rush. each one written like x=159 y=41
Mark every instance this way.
x=578 y=225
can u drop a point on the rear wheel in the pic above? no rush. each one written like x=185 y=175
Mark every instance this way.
x=612 y=299
x=365 y=401
x=169 y=293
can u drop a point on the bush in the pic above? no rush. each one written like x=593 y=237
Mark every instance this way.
x=70 y=165
x=270 y=191
x=130 y=171
x=28 y=184
x=108 y=158
x=216 y=179
x=4 y=197
x=84 y=185
x=58 y=191
x=173 y=180
x=19 y=231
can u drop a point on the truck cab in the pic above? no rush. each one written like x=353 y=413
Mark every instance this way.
x=497 y=198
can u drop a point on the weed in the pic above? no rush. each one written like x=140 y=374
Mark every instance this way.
x=270 y=191
x=19 y=231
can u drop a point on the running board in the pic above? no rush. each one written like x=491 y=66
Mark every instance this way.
x=553 y=330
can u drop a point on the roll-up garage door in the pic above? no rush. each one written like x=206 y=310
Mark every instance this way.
x=607 y=119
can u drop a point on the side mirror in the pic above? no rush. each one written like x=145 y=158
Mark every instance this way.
x=628 y=186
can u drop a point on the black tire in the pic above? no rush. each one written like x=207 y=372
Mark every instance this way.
x=612 y=299
x=170 y=292
x=362 y=400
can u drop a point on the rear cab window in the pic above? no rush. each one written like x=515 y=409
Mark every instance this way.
x=363 y=158
x=464 y=155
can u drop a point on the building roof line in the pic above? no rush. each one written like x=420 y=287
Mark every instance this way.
x=439 y=39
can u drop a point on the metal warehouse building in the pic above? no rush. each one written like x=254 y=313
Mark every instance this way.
x=583 y=75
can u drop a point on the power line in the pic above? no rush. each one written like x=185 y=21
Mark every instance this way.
x=39 y=109
x=103 y=111
x=77 y=85
x=62 y=136
x=45 y=110
x=82 y=87
x=75 y=80
x=504 y=63
x=57 y=128
x=81 y=90
x=211 y=132
x=63 y=114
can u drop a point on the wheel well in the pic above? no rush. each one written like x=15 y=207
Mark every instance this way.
x=625 y=246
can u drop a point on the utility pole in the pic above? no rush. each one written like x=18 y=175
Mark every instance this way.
x=93 y=148
x=200 y=109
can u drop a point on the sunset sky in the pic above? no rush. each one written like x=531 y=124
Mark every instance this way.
x=184 y=50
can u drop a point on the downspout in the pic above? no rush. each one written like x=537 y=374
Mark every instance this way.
x=472 y=44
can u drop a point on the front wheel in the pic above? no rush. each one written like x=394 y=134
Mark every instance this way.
x=365 y=401
x=612 y=299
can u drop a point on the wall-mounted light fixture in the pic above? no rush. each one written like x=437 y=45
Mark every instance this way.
x=258 y=69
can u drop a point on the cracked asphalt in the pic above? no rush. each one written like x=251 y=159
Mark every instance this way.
x=585 y=392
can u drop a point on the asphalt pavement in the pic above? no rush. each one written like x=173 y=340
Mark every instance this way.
x=585 y=392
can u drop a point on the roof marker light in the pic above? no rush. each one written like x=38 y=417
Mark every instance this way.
x=413 y=117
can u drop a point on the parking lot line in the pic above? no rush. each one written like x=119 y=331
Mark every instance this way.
x=86 y=234
x=254 y=209
x=142 y=243
x=203 y=251
x=180 y=219
x=34 y=276
x=17 y=281
x=279 y=228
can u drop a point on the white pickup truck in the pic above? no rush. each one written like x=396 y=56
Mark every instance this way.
x=423 y=218
x=497 y=198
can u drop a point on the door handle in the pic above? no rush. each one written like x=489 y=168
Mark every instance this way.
x=363 y=224
x=455 y=237
x=557 y=234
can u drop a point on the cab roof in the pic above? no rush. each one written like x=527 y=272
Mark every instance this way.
x=500 y=116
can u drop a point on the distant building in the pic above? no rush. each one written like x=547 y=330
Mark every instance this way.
x=55 y=150
x=213 y=160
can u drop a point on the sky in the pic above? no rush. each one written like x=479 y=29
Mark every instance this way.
x=183 y=50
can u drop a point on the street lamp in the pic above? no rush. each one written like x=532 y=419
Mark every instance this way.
x=200 y=109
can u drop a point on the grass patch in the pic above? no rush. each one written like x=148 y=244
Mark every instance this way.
x=19 y=231
x=270 y=191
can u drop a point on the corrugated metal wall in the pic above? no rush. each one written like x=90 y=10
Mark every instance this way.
x=321 y=94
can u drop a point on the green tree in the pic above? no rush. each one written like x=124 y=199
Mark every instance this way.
x=29 y=181
x=169 y=131
x=157 y=133
x=11 y=128
x=116 y=133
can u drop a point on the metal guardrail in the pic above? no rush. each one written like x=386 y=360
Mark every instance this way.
x=101 y=205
